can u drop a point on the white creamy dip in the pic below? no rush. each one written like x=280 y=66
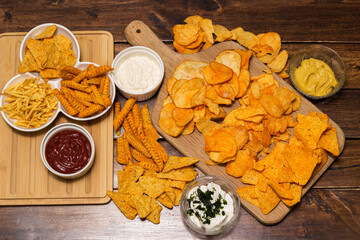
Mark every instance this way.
x=210 y=206
x=137 y=73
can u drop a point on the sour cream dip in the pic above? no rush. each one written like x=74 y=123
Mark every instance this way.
x=137 y=72
x=209 y=206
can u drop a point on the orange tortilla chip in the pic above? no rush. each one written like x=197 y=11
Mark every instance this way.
x=241 y=164
x=175 y=162
x=329 y=141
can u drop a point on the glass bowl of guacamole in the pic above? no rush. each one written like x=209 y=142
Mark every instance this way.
x=317 y=71
x=210 y=205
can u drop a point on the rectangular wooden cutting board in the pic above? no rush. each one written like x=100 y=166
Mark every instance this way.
x=137 y=33
x=24 y=180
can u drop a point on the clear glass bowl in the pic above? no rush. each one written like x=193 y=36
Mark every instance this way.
x=225 y=186
x=325 y=54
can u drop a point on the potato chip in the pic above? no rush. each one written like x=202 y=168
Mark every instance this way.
x=219 y=141
x=181 y=174
x=248 y=112
x=183 y=96
x=182 y=116
x=247 y=39
x=199 y=112
x=194 y=20
x=279 y=62
x=205 y=125
x=176 y=86
x=167 y=123
x=199 y=96
x=216 y=73
x=183 y=50
x=230 y=59
x=207 y=26
x=185 y=34
x=214 y=96
x=222 y=33
x=189 y=69
x=272 y=105
x=241 y=164
x=197 y=44
x=167 y=100
x=169 y=84
x=236 y=32
x=329 y=141
x=229 y=89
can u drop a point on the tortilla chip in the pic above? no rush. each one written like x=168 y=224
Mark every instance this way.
x=47 y=33
x=181 y=174
x=268 y=200
x=122 y=202
x=175 y=162
x=248 y=193
x=329 y=141
x=152 y=186
x=295 y=189
x=144 y=204
x=165 y=200
x=241 y=164
x=154 y=216
x=28 y=64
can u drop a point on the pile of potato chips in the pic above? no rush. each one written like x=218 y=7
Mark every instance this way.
x=197 y=89
x=29 y=102
x=155 y=177
x=84 y=93
x=47 y=54
x=198 y=34
x=282 y=174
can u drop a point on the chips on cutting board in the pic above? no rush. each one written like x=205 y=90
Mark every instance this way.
x=47 y=54
x=197 y=34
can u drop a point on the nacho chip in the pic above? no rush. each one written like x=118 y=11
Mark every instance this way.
x=47 y=33
x=329 y=141
x=144 y=205
x=268 y=200
x=181 y=174
x=152 y=186
x=241 y=164
x=175 y=162
x=295 y=189
x=248 y=193
x=154 y=215
x=165 y=200
x=122 y=202
x=28 y=64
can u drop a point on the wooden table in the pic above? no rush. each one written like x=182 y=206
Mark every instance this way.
x=330 y=210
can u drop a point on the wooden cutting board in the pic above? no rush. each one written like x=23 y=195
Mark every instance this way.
x=24 y=180
x=137 y=33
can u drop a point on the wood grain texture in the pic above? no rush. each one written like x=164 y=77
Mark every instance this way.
x=24 y=178
x=307 y=21
x=137 y=33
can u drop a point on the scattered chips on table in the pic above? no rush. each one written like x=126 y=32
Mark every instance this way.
x=198 y=34
x=47 y=54
x=154 y=177
x=29 y=102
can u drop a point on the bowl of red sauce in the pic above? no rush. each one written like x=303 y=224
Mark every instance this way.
x=67 y=150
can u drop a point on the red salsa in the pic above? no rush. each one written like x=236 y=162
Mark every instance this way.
x=68 y=151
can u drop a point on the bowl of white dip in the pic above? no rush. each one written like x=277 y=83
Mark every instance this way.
x=138 y=72
x=210 y=205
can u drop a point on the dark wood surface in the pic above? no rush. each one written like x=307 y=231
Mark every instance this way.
x=330 y=210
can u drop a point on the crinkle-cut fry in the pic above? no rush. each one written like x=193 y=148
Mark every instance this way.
x=140 y=157
x=120 y=151
x=75 y=103
x=154 y=153
x=91 y=67
x=83 y=96
x=67 y=76
x=73 y=85
x=140 y=128
x=95 y=81
x=136 y=114
x=128 y=151
x=64 y=90
x=127 y=126
x=130 y=120
x=149 y=129
x=85 y=82
x=97 y=97
x=73 y=70
x=70 y=109
x=161 y=150
x=137 y=144
x=117 y=109
x=106 y=100
x=80 y=76
x=102 y=83
x=91 y=110
x=118 y=120
x=86 y=103
x=106 y=88
x=99 y=71
x=148 y=166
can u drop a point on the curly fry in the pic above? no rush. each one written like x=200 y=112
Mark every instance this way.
x=91 y=110
x=148 y=165
x=96 y=95
x=73 y=85
x=70 y=109
x=106 y=89
x=135 y=143
x=149 y=129
x=98 y=71
x=154 y=153
x=140 y=157
x=72 y=70
x=80 y=76
x=118 y=120
x=83 y=96
x=120 y=151
x=75 y=102
x=117 y=109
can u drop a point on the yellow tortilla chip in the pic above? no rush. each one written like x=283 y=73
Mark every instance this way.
x=47 y=33
x=122 y=202
x=152 y=186
x=144 y=205
x=154 y=216
x=165 y=200
x=28 y=64
x=181 y=174
x=175 y=162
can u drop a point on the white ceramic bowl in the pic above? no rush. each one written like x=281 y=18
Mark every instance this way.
x=146 y=52
x=59 y=30
x=61 y=127
x=82 y=66
x=226 y=187
x=11 y=121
